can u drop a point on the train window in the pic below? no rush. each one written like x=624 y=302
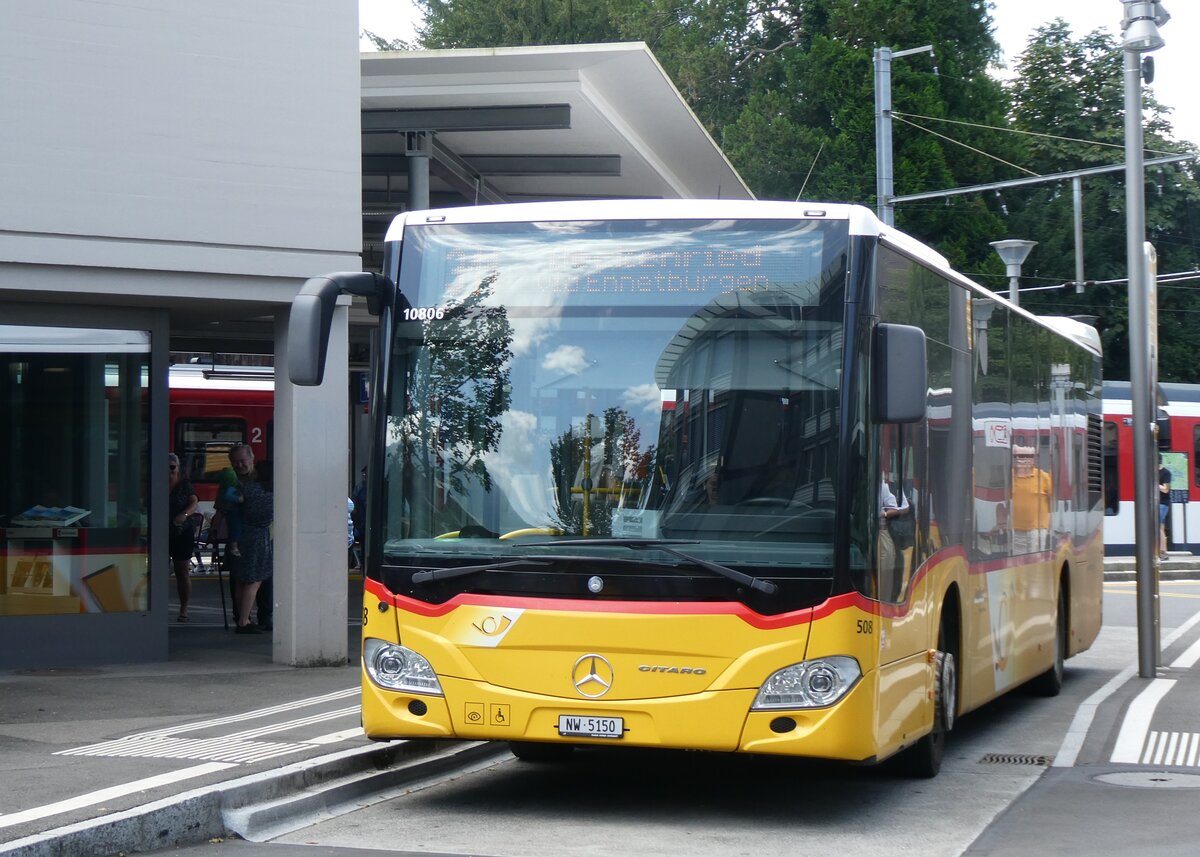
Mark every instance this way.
x=1196 y=447
x=1112 y=485
x=203 y=445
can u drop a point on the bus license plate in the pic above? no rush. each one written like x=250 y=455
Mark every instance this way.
x=589 y=726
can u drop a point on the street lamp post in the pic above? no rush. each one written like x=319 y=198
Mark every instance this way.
x=1139 y=34
x=1013 y=252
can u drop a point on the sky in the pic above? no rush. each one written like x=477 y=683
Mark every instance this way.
x=1015 y=21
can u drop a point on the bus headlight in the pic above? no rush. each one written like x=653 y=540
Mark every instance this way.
x=398 y=668
x=809 y=684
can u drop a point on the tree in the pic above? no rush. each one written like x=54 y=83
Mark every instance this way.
x=808 y=126
x=382 y=44
x=509 y=23
x=698 y=42
x=1070 y=90
x=458 y=388
x=610 y=470
x=787 y=90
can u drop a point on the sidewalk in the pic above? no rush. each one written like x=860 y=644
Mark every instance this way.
x=176 y=752
x=1177 y=566
x=1133 y=787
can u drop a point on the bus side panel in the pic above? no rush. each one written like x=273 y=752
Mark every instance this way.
x=907 y=632
x=1086 y=593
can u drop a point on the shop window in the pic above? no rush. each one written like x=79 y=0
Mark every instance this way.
x=75 y=448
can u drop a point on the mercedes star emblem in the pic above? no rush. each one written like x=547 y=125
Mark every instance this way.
x=592 y=676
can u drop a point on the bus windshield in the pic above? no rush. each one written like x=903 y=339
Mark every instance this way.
x=604 y=383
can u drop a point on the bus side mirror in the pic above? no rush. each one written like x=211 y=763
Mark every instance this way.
x=308 y=330
x=900 y=383
x=312 y=315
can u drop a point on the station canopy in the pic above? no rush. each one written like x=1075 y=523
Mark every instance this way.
x=528 y=124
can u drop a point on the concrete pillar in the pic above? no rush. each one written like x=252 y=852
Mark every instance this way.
x=311 y=479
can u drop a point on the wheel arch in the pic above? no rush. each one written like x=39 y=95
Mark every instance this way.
x=1064 y=588
x=950 y=614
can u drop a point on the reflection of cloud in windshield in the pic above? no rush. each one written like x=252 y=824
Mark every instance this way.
x=522 y=475
x=645 y=397
x=568 y=359
x=573 y=252
x=516 y=442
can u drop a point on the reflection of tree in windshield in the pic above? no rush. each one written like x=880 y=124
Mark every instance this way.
x=460 y=388
x=589 y=486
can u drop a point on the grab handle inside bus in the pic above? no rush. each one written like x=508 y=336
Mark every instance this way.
x=312 y=315
x=900 y=370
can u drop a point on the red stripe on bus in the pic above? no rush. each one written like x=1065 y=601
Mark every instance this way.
x=675 y=608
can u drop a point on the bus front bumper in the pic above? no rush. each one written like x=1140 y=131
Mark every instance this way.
x=713 y=720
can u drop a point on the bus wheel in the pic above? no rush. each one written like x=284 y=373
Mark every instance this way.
x=924 y=759
x=1050 y=682
x=532 y=751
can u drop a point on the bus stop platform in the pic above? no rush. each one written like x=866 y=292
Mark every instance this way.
x=220 y=742
x=1177 y=566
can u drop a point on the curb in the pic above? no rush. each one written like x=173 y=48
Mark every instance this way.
x=1163 y=574
x=199 y=815
x=267 y=820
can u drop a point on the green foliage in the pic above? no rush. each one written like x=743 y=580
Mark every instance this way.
x=508 y=23
x=460 y=386
x=787 y=90
x=1072 y=90
x=808 y=127
x=382 y=44
x=613 y=475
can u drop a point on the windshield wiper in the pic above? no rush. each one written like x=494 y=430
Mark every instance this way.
x=764 y=586
x=429 y=574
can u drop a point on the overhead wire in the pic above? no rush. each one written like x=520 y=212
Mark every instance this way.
x=1024 y=133
x=965 y=145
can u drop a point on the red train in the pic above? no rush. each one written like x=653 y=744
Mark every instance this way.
x=214 y=407
x=1178 y=419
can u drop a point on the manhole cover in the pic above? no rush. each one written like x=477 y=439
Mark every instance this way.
x=60 y=671
x=1151 y=780
x=1016 y=759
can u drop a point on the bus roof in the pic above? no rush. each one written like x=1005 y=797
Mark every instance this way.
x=862 y=221
x=640 y=209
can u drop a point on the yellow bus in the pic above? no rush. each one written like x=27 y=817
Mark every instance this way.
x=755 y=477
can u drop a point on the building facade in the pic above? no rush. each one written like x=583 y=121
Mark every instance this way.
x=170 y=171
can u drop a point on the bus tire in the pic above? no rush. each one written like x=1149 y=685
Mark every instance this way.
x=532 y=751
x=924 y=759
x=1050 y=682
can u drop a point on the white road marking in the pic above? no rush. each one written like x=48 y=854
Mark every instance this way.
x=262 y=712
x=93 y=798
x=221 y=753
x=1136 y=725
x=1188 y=659
x=1082 y=721
x=1180 y=749
x=335 y=737
x=237 y=747
x=1077 y=732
